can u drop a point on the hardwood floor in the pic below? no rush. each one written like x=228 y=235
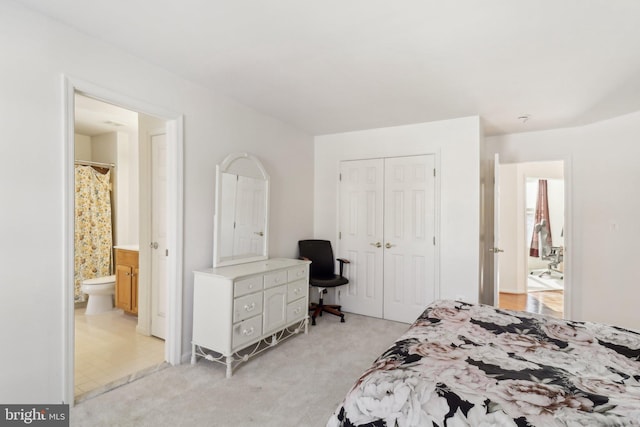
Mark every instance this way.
x=542 y=302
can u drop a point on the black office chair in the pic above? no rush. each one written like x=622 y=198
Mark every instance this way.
x=322 y=274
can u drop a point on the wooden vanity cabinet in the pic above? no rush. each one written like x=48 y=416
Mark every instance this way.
x=127 y=280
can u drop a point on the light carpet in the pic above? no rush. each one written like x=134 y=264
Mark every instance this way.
x=298 y=383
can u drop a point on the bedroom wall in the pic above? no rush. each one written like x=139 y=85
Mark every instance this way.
x=603 y=224
x=37 y=52
x=456 y=144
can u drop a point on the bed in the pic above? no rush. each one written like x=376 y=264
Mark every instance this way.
x=465 y=364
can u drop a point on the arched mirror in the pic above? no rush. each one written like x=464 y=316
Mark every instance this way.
x=242 y=211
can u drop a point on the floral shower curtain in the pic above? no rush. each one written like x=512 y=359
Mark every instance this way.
x=542 y=212
x=93 y=234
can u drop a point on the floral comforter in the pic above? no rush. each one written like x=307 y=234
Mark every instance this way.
x=461 y=364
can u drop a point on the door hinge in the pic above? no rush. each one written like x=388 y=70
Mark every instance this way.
x=340 y=177
x=434 y=171
x=166 y=252
x=339 y=235
x=434 y=240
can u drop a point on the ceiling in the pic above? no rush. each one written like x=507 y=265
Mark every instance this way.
x=340 y=65
x=94 y=117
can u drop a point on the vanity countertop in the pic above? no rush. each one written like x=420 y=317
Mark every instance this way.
x=128 y=247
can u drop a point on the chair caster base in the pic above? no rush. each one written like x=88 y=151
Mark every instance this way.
x=341 y=319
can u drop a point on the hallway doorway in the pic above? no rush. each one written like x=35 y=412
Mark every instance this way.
x=530 y=274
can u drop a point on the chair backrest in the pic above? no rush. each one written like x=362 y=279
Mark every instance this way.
x=543 y=239
x=321 y=255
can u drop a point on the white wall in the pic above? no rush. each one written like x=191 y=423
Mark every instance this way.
x=126 y=178
x=37 y=52
x=456 y=145
x=82 y=147
x=603 y=224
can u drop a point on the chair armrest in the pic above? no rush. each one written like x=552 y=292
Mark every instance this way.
x=342 y=263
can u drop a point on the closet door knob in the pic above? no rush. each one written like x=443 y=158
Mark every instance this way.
x=153 y=245
x=376 y=244
x=389 y=246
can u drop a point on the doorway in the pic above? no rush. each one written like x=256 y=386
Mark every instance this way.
x=106 y=134
x=174 y=143
x=531 y=268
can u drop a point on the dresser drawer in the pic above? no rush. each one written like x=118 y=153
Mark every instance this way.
x=275 y=279
x=247 y=306
x=246 y=331
x=297 y=273
x=296 y=290
x=246 y=286
x=296 y=310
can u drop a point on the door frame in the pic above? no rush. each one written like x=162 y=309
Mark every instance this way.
x=175 y=202
x=568 y=231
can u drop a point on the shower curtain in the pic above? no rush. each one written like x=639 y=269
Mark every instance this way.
x=93 y=234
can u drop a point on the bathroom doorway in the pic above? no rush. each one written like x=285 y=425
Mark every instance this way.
x=174 y=224
x=110 y=347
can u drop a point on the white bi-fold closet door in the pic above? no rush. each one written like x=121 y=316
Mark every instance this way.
x=387 y=232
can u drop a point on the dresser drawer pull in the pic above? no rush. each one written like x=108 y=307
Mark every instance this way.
x=297 y=310
x=297 y=290
x=248 y=332
x=250 y=307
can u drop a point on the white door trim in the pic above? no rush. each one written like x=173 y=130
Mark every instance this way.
x=175 y=221
x=569 y=290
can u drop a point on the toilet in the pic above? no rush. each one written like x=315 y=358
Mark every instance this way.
x=100 y=291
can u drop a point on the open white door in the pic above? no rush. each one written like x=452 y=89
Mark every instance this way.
x=495 y=249
x=159 y=249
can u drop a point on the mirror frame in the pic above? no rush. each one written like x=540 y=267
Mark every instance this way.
x=225 y=167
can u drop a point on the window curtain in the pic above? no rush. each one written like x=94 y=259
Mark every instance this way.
x=542 y=212
x=93 y=233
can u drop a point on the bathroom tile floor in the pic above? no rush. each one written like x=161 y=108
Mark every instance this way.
x=108 y=348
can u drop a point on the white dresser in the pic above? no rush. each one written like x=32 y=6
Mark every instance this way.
x=241 y=310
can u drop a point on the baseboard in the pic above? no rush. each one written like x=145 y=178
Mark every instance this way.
x=511 y=291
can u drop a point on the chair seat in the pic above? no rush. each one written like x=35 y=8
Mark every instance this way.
x=328 y=282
